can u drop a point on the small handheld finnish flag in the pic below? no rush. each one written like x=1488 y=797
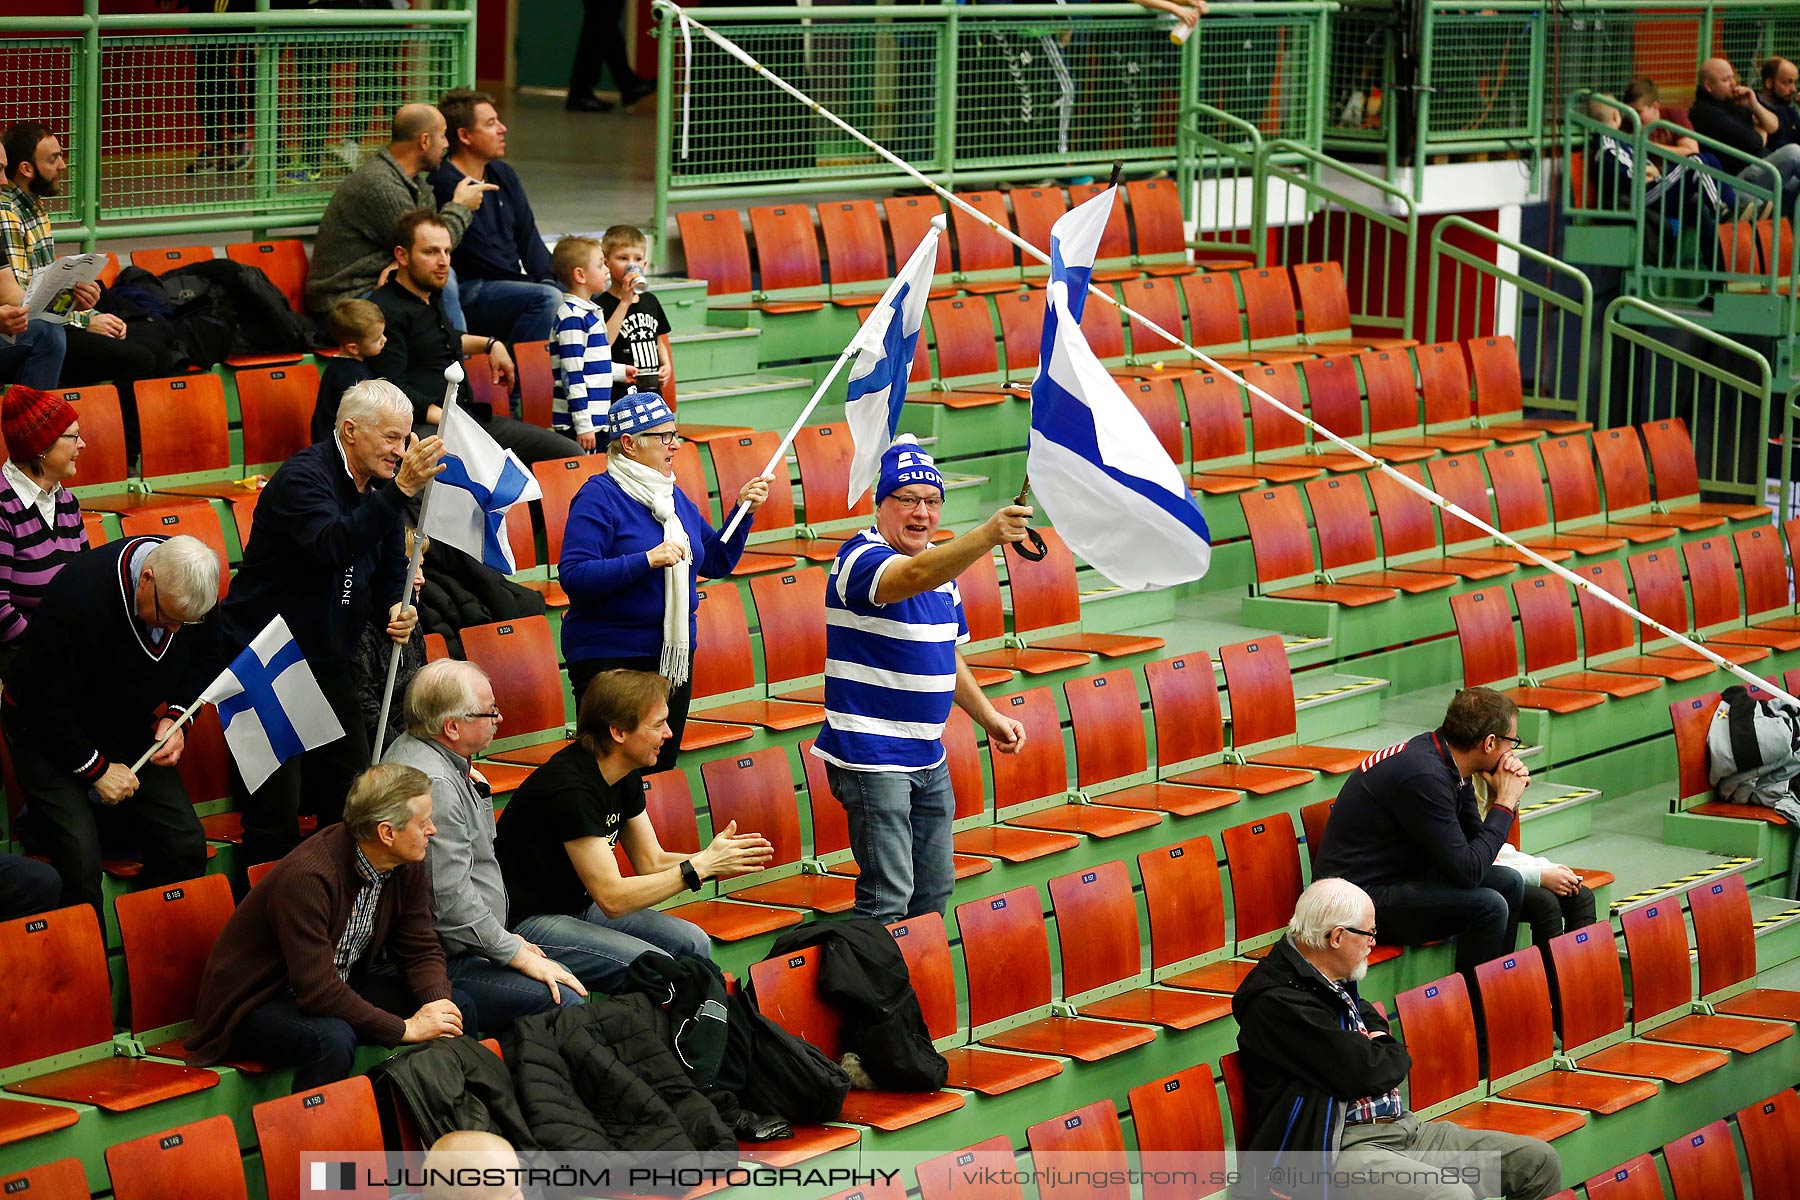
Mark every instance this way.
x=885 y=346
x=1108 y=486
x=270 y=705
x=480 y=481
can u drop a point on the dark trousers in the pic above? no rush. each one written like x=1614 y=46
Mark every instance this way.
x=1550 y=915
x=314 y=783
x=1483 y=919
x=581 y=672
x=601 y=42
x=27 y=887
x=322 y=1050
x=66 y=827
x=94 y=358
x=221 y=86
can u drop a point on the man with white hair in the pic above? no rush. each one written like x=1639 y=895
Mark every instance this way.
x=327 y=553
x=451 y=717
x=1322 y=1076
x=105 y=669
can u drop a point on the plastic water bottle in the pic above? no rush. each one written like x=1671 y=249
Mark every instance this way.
x=1182 y=32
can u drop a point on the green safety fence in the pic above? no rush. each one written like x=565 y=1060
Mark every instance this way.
x=194 y=123
x=1483 y=283
x=1480 y=78
x=1655 y=365
x=1360 y=66
x=966 y=95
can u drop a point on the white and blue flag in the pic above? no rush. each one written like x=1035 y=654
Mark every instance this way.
x=270 y=705
x=884 y=347
x=1105 y=482
x=468 y=502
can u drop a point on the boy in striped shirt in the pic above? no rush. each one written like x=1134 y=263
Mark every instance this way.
x=893 y=621
x=581 y=360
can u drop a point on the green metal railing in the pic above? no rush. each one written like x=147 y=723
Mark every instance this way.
x=1655 y=364
x=1482 y=283
x=968 y=96
x=226 y=121
x=1481 y=81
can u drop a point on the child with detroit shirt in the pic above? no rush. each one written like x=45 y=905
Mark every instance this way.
x=582 y=364
x=634 y=318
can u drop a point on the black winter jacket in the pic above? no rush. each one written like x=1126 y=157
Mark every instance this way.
x=600 y=1076
x=1305 y=1062
x=863 y=975
x=456 y=1083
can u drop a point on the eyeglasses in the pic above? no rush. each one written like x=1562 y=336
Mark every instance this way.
x=489 y=716
x=667 y=439
x=1368 y=933
x=74 y=435
x=161 y=619
x=1507 y=737
x=931 y=503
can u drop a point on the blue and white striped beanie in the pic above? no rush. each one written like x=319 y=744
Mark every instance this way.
x=906 y=462
x=638 y=411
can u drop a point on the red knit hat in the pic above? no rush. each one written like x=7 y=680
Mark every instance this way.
x=32 y=420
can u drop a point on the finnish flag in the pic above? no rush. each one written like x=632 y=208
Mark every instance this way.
x=468 y=501
x=270 y=705
x=1104 y=480
x=884 y=347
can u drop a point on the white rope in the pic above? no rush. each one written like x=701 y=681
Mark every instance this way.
x=687 y=81
x=1105 y=294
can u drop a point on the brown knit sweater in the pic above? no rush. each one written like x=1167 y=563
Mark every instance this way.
x=283 y=935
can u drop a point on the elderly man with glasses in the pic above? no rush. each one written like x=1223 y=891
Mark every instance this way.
x=451 y=717
x=893 y=621
x=1407 y=829
x=1323 y=1113
x=105 y=669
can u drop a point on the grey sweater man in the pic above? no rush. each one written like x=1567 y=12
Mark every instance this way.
x=355 y=239
x=468 y=898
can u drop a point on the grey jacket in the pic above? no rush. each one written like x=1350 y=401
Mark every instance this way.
x=468 y=898
x=355 y=238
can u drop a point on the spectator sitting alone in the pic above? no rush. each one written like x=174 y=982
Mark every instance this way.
x=1322 y=1075
x=1407 y=830
x=509 y=288
x=422 y=341
x=359 y=331
x=335 y=946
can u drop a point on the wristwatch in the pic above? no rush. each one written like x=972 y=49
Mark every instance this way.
x=689 y=875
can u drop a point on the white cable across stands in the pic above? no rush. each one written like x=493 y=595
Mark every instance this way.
x=1419 y=489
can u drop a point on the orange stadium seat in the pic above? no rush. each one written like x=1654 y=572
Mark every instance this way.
x=756 y=790
x=284 y=262
x=1111 y=757
x=340 y=1116
x=1591 y=992
x=1703 y=1165
x=196 y=1161
x=1031 y=786
x=1088 y=1139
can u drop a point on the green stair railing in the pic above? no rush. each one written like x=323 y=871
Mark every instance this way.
x=1483 y=283
x=292 y=93
x=1655 y=364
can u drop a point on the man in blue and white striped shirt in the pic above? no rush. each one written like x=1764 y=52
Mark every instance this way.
x=893 y=621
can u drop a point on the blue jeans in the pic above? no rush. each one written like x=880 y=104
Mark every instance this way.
x=502 y=994
x=901 y=837
x=1483 y=919
x=510 y=310
x=598 y=949
x=322 y=1050
x=35 y=357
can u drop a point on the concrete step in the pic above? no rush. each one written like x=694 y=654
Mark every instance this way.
x=713 y=352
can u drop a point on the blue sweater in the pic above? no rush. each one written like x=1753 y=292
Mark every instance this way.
x=615 y=596
x=502 y=240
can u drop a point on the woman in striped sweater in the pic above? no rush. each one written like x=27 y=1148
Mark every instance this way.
x=40 y=520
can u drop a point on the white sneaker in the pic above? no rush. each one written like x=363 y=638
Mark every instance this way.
x=350 y=151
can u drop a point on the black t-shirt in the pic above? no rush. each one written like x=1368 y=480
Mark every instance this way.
x=565 y=799
x=636 y=343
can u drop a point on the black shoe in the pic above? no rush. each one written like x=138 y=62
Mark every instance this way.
x=588 y=103
x=637 y=89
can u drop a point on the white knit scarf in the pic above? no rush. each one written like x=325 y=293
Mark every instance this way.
x=656 y=492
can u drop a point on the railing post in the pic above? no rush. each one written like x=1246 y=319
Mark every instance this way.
x=1422 y=96
x=665 y=125
x=949 y=47
x=87 y=116
x=266 y=58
